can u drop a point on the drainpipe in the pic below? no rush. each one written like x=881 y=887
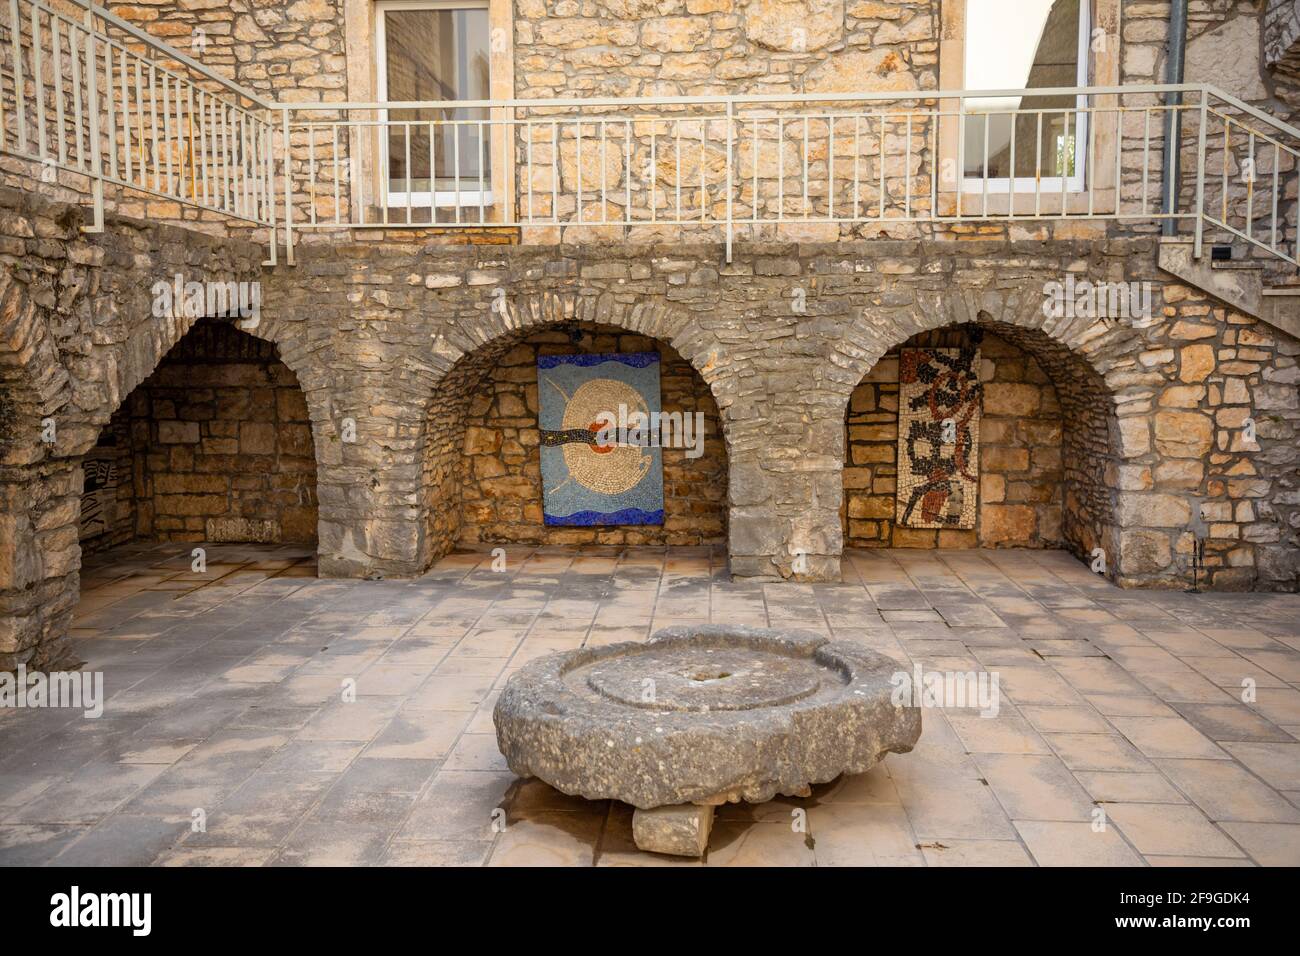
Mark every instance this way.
x=1177 y=47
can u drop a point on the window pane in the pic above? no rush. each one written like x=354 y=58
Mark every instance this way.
x=1022 y=44
x=437 y=55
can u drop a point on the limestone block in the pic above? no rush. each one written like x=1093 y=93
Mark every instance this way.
x=794 y=26
x=681 y=830
x=1183 y=434
x=1195 y=363
x=859 y=71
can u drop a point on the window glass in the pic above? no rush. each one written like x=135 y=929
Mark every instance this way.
x=437 y=55
x=1023 y=44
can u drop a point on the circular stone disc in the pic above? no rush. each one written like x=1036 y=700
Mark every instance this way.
x=703 y=715
x=704 y=678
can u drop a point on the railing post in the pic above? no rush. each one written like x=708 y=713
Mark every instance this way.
x=267 y=137
x=1175 y=55
x=1200 y=175
x=20 y=108
x=288 y=189
x=731 y=105
x=92 y=97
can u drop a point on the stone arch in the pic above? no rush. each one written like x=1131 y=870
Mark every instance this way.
x=215 y=445
x=463 y=354
x=1089 y=362
x=51 y=371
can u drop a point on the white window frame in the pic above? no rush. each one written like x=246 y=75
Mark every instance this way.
x=444 y=199
x=1075 y=183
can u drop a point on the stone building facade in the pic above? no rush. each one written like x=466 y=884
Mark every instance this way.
x=385 y=403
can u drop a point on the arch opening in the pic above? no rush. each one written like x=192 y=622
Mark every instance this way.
x=1043 y=454
x=482 y=476
x=214 y=447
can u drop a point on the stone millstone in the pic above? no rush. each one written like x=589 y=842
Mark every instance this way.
x=704 y=715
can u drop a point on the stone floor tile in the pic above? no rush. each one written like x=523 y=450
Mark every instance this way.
x=230 y=687
x=874 y=786
x=1170 y=830
x=89 y=795
x=1066 y=720
x=437 y=853
x=976 y=853
x=1167 y=737
x=1035 y=788
x=262 y=812
x=1182 y=686
x=1036 y=685
x=1277 y=764
x=1269 y=844
x=476 y=752
x=734 y=843
x=862 y=835
x=33 y=844
x=1231 y=721
x=1096 y=676
x=312 y=756
x=1097 y=752
x=1112 y=787
x=1075 y=844
x=1282 y=707
x=1004 y=734
x=1230 y=672
x=458 y=806
x=215 y=856
x=1227 y=791
x=1282 y=663
x=419 y=734
x=123 y=840
x=940 y=786
x=360 y=720
x=1113 y=705
x=549 y=838
x=333 y=844
x=451 y=692
x=1181 y=861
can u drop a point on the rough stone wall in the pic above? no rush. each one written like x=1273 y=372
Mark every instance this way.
x=685 y=47
x=500 y=470
x=377 y=335
x=220 y=445
x=1281 y=35
x=1020 y=473
x=291 y=52
x=1136 y=464
x=78 y=331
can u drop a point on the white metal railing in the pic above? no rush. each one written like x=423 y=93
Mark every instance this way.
x=750 y=161
x=84 y=91
x=1251 y=195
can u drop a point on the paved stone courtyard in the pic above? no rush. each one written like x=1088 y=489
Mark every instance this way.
x=225 y=694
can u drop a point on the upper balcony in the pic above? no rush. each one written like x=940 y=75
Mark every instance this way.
x=90 y=102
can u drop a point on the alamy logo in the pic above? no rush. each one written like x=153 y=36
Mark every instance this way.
x=946 y=689
x=196 y=300
x=1114 y=301
x=76 y=689
x=653 y=430
x=75 y=908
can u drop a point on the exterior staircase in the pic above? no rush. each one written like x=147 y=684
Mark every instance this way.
x=1240 y=283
